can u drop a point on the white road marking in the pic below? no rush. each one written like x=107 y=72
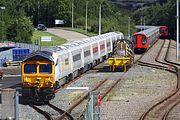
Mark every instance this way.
x=77 y=88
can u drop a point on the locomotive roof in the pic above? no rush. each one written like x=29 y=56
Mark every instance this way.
x=143 y=27
x=39 y=55
x=147 y=31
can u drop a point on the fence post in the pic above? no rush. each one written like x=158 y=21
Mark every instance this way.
x=93 y=107
x=17 y=105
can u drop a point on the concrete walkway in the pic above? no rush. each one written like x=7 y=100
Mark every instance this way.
x=68 y=35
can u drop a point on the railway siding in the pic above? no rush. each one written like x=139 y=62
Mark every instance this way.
x=128 y=100
x=139 y=91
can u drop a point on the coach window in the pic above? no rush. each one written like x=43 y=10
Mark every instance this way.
x=102 y=47
x=45 y=68
x=108 y=44
x=143 y=40
x=87 y=53
x=30 y=68
x=76 y=57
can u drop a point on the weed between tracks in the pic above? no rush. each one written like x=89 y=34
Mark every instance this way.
x=143 y=84
x=75 y=95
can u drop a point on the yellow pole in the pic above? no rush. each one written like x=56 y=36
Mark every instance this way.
x=124 y=67
x=113 y=68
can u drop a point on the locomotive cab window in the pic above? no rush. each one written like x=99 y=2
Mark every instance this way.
x=30 y=68
x=134 y=40
x=143 y=40
x=45 y=68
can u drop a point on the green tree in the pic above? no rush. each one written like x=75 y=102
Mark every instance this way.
x=20 y=30
x=17 y=27
x=159 y=15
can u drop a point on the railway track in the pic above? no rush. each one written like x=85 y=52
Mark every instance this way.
x=44 y=113
x=160 y=62
x=162 y=108
x=103 y=88
x=47 y=115
x=95 y=69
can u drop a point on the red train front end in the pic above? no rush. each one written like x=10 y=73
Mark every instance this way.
x=140 y=43
x=164 y=32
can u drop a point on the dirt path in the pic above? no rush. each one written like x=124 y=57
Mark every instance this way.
x=68 y=35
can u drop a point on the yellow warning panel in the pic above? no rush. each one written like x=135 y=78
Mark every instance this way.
x=119 y=62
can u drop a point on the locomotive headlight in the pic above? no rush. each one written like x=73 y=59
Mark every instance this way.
x=48 y=83
x=27 y=83
x=37 y=82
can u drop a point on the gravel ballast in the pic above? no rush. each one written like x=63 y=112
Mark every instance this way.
x=141 y=89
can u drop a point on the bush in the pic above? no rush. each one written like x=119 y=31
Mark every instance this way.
x=20 y=30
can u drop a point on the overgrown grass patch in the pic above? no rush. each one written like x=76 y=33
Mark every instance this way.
x=75 y=95
x=56 y=40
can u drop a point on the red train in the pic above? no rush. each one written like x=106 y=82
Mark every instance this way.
x=164 y=32
x=144 y=39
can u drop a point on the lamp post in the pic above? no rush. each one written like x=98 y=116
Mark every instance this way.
x=141 y=23
x=129 y=31
x=72 y=14
x=177 y=34
x=86 y=13
x=2 y=8
x=100 y=19
x=144 y=22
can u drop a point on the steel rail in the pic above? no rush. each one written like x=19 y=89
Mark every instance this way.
x=60 y=111
x=117 y=81
x=157 y=65
x=165 y=61
x=145 y=52
x=143 y=116
x=79 y=101
x=171 y=95
x=174 y=64
x=44 y=113
x=167 y=112
x=102 y=97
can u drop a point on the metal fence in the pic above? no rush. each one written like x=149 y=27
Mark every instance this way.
x=2 y=62
x=9 y=104
x=23 y=45
x=6 y=55
x=93 y=110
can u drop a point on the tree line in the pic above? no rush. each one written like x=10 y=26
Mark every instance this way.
x=19 y=17
x=159 y=14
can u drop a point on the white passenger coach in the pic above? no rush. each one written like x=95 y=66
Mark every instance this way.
x=72 y=59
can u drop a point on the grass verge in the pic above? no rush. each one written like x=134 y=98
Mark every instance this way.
x=56 y=40
x=90 y=34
